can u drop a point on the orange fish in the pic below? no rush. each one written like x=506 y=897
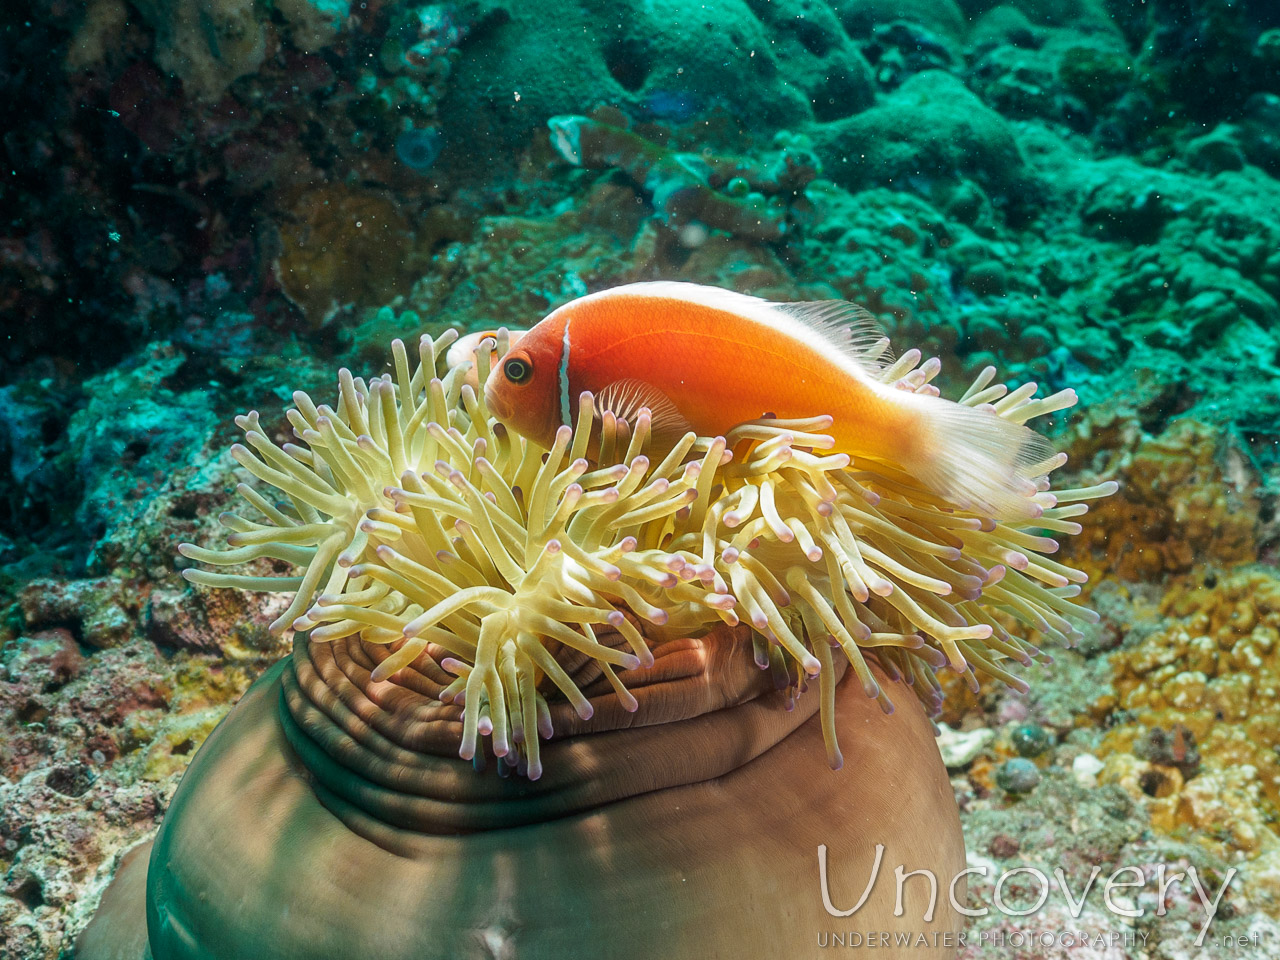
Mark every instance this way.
x=463 y=350
x=705 y=359
x=467 y=347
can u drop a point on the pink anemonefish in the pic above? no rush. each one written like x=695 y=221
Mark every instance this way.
x=706 y=359
x=465 y=348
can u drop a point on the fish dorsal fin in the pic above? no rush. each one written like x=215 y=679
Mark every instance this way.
x=843 y=327
x=625 y=398
x=852 y=329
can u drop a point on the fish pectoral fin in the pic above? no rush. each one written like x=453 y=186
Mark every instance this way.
x=626 y=398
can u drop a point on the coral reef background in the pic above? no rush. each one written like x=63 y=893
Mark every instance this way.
x=210 y=203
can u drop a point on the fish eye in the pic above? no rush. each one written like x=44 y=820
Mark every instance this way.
x=517 y=370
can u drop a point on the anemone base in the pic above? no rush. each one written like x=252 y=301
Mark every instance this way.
x=251 y=863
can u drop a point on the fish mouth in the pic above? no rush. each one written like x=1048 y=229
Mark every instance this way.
x=500 y=407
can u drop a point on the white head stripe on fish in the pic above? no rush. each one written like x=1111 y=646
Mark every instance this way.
x=566 y=414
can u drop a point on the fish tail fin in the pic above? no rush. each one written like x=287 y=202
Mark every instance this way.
x=978 y=460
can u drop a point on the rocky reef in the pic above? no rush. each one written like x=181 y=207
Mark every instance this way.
x=211 y=201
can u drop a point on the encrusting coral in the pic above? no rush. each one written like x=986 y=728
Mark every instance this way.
x=1207 y=682
x=417 y=519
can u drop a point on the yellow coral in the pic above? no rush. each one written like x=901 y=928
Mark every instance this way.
x=1178 y=502
x=1215 y=670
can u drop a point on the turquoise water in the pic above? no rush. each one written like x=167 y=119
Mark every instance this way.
x=211 y=204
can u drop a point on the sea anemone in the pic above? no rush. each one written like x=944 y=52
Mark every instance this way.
x=625 y=621
x=418 y=521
